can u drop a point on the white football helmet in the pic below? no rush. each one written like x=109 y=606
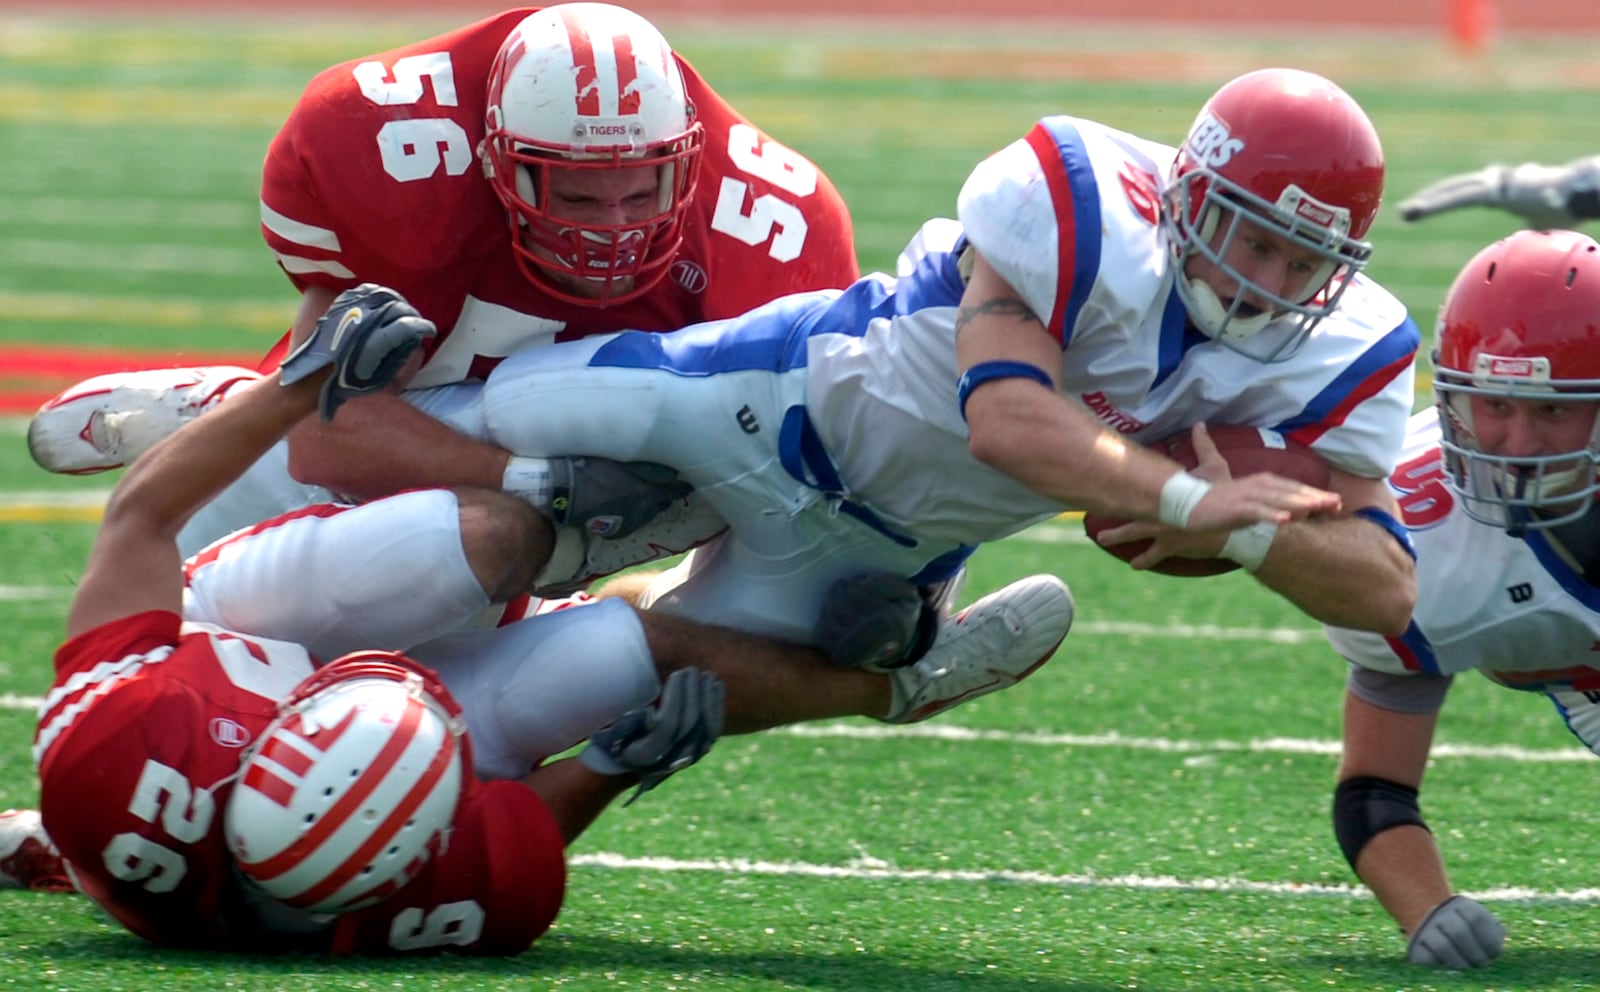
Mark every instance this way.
x=350 y=790
x=1295 y=154
x=590 y=86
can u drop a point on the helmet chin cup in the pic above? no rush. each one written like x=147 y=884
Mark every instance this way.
x=1214 y=320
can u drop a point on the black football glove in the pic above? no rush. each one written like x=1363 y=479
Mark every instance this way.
x=366 y=335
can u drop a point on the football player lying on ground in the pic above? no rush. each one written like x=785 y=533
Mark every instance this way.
x=345 y=578
x=214 y=790
x=1497 y=488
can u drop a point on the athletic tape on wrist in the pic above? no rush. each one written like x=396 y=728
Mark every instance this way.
x=989 y=371
x=1179 y=496
x=1248 y=545
x=528 y=478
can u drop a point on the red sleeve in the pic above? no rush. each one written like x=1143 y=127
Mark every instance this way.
x=495 y=888
x=764 y=211
x=375 y=175
x=137 y=742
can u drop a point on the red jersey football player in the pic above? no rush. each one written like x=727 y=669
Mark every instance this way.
x=215 y=790
x=537 y=176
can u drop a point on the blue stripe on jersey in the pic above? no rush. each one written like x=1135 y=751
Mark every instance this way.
x=1084 y=191
x=804 y=457
x=1570 y=580
x=1177 y=337
x=768 y=337
x=935 y=281
x=1413 y=649
x=1392 y=347
x=945 y=566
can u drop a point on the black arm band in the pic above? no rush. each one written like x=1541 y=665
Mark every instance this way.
x=1365 y=807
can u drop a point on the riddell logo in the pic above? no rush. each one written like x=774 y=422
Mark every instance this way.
x=1316 y=213
x=1211 y=144
x=1518 y=368
x=689 y=276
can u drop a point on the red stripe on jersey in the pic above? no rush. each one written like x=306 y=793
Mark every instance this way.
x=1405 y=654
x=211 y=552
x=587 y=76
x=1044 y=148
x=1369 y=387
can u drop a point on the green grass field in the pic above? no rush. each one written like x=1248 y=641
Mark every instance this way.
x=1148 y=812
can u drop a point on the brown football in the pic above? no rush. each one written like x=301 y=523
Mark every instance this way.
x=1247 y=450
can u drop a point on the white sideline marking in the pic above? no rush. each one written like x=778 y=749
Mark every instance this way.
x=874 y=869
x=31 y=593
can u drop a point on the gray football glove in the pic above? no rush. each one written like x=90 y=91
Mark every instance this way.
x=1457 y=934
x=664 y=737
x=1544 y=196
x=610 y=499
x=366 y=335
x=877 y=622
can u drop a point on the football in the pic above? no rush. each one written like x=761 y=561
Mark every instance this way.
x=1247 y=450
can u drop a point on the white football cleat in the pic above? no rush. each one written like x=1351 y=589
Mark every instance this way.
x=107 y=421
x=991 y=645
x=27 y=858
x=580 y=558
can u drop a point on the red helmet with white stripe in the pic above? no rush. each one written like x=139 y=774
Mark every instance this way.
x=348 y=792
x=578 y=88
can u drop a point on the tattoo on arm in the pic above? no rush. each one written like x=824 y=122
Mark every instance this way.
x=999 y=306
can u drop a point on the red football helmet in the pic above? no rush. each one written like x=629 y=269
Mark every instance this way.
x=349 y=791
x=582 y=87
x=1292 y=152
x=1521 y=321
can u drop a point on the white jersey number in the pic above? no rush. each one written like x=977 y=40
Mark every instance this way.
x=458 y=923
x=185 y=814
x=768 y=217
x=416 y=147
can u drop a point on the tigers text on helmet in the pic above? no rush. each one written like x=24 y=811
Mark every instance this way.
x=588 y=91
x=352 y=787
x=1293 y=153
x=1521 y=322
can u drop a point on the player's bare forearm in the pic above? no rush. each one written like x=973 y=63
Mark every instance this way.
x=1345 y=571
x=134 y=564
x=380 y=445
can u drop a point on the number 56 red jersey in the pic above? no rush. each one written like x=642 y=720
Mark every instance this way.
x=376 y=177
x=138 y=746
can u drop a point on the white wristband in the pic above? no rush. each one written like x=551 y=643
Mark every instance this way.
x=528 y=478
x=1179 y=496
x=1248 y=545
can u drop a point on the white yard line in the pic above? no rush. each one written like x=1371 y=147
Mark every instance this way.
x=875 y=869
